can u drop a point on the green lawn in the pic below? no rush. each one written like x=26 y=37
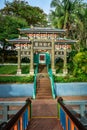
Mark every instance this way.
x=16 y=79
x=12 y=69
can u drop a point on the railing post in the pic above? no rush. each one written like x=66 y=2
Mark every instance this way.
x=21 y=123
x=72 y=125
x=5 y=112
x=15 y=127
x=29 y=109
x=58 y=107
x=82 y=110
x=66 y=122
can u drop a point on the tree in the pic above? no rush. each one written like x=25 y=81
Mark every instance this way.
x=8 y=30
x=68 y=14
x=80 y=63
x=33 y=15
x=9 y=25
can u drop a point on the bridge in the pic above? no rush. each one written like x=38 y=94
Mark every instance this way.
x=45 y=115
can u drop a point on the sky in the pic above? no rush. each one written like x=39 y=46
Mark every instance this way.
x=43 y=4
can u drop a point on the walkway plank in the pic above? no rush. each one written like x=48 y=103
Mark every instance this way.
x=44 y=124
x=44 y=108
x=44 y=115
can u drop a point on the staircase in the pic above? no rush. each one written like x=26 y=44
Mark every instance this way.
x=42 y=69
x=44 y=108
x=43 y=90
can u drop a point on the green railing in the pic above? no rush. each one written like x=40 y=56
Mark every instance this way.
x=35 y=82
x=52 y=82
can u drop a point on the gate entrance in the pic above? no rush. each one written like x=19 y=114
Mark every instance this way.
x=42 y=59
x=42 y=46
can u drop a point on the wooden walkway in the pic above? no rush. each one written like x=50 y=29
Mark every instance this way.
x=44 y=115
x=44 y=124
x=44 y=108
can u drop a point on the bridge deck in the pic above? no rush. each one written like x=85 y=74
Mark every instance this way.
x=44 y=115
x=44 y=124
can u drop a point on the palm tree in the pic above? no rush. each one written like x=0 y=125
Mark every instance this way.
x=67 y=15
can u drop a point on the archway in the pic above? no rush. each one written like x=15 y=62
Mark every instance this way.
x=41 y=57
x=59 y=63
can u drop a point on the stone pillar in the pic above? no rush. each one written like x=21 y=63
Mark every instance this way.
x=53 y=57
x=65 y=71
x=19 y=62
x=31 y=60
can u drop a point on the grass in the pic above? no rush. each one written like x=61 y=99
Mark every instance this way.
x=16 y=79
x=12 y=69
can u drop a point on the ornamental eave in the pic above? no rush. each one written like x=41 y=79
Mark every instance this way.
x=67 y=41
x=42 y=30
x=18 y=41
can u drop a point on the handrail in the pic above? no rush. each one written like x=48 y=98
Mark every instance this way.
x=6 y=110
x=67 y=119
x=35 y=83
x=81 y=106
x=21 y=119
x=52 y=82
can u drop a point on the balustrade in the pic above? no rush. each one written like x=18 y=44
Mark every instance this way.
x=22 y=117
x=68 y=120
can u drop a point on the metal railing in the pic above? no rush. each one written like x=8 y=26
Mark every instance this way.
x=79 y=106
x=52 y=82
x=68 y=120
x=9 y=108
x=21 y=119
x=35 y=82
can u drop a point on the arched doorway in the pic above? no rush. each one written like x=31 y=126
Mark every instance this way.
x=59 y=63
x=43 y=58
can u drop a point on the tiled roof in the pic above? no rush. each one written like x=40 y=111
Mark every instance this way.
x=26 y=40
x=17 y=40
x=63 y=40
x=41 y=30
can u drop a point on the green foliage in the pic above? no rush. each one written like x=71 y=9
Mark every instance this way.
x=33 y=15
x=80 y=63
x=80 y=78
x=9 y=25
x=71 y=15
x=16 y=79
